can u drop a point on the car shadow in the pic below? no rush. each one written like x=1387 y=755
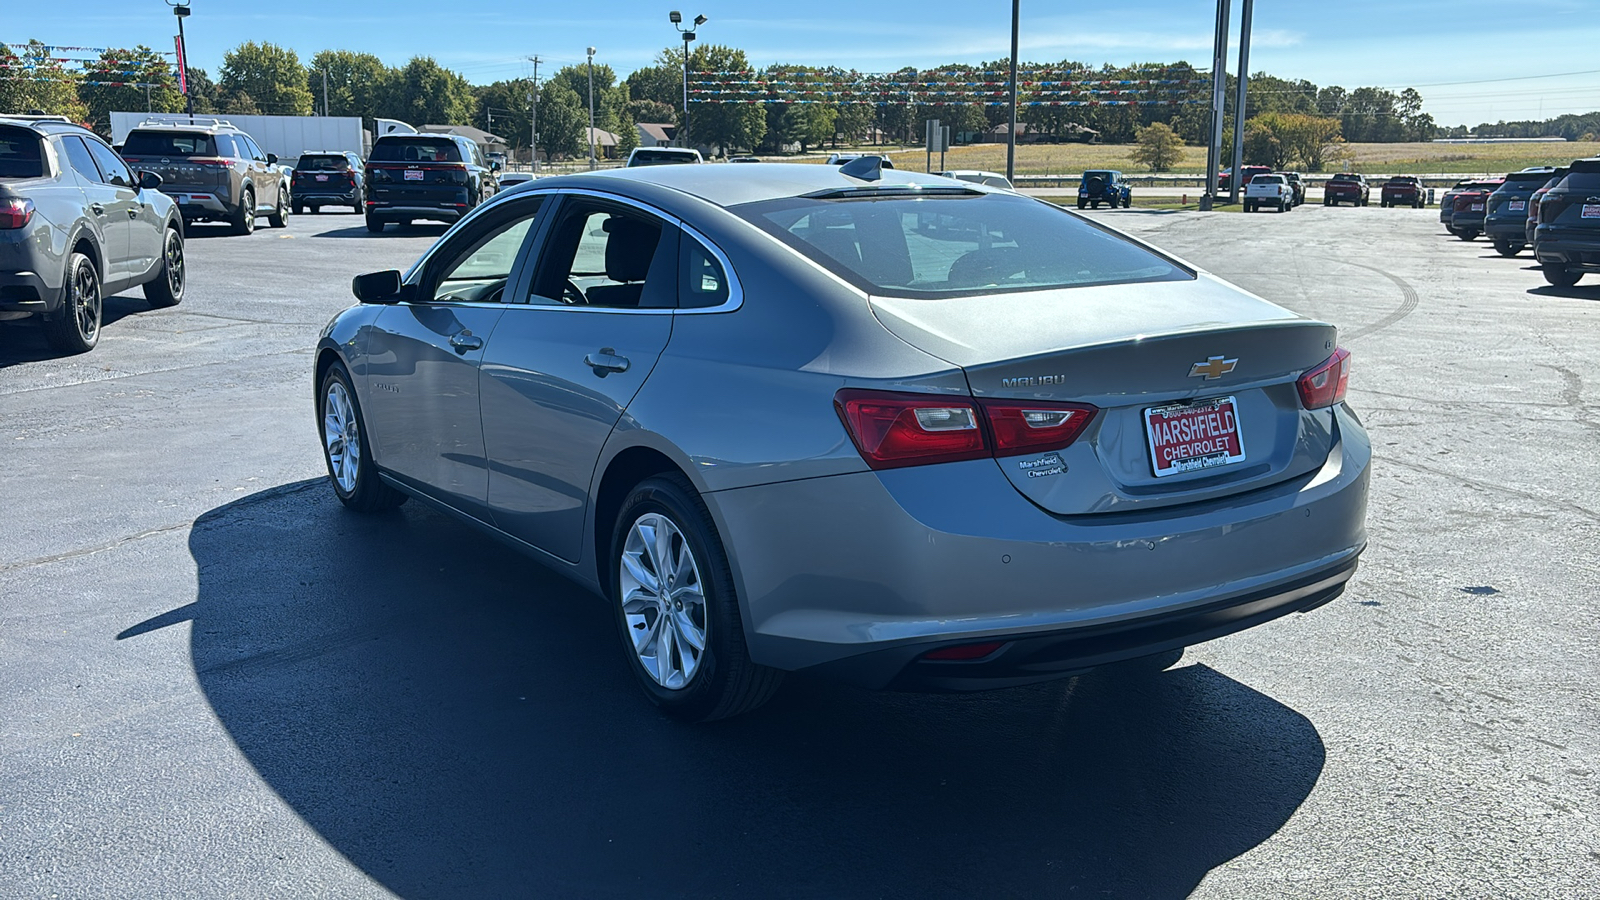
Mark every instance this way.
x=1576 y=292
x=429 y=230
x=457 y=721
x=22 y=340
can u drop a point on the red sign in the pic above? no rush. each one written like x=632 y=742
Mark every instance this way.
x=183 y=67
x=1193 y=436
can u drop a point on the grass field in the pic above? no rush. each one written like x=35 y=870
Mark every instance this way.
x=1370 y=159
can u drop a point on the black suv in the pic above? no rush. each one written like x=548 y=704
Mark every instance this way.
x=440 y=177
x=1568 y=234
x=76 y=225
x=1506 y=219
x=1104 y=186
x=215 y=171
x=332 y=178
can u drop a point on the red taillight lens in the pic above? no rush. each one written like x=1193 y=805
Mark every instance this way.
x=965 y=651
x=1020 y=428
x=1326 y=384
x=894 y=430
x=15 y=213
x=209 y=161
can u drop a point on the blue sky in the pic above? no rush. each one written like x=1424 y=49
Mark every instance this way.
x=1473 y=60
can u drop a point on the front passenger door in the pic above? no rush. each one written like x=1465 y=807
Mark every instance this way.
x=424 y=353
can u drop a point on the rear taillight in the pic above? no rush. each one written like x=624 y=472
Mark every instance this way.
x=218 y=162
x=1326 y=384
x=892 y=430
x=965 y=652
x=15 y=213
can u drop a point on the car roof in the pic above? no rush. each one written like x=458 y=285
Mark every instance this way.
x=734 y=185
x=44 y=126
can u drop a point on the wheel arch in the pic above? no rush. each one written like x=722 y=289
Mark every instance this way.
x=623 y=471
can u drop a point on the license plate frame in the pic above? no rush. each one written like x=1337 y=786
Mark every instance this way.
x=1212 y=445
x=1518 y=205
x=414 y=175
x=1476 y=207
x=1589 y=211
x=322 y=178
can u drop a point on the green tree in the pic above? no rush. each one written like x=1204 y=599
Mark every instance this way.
x=426 y=93
x=508 y=101
x=269 y=75
x=661 y=83
x=203 y=92
x=45 y=84
x=563 y=116
x=1262 y=146
x=653 y=111
x=725 y=126
x=1159 y=148
x=357 y=83
x=239 y=103
x=111 y=84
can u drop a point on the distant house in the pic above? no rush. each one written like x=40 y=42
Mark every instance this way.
x=605 y=143
x=488 y=143
x=656 y=134
x=1072 y=132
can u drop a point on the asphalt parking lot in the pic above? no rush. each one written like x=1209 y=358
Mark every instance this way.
x=215 y=682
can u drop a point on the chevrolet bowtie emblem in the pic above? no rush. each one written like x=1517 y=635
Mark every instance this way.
x=1213 y=368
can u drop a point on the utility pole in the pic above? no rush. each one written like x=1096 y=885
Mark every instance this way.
x=591 y=109
x=1011 y=133
x=533 y=124
x=325 y=111
x=1245 y=13
x=1219 y=91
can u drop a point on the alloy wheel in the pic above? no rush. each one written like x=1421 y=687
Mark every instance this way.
x=663 y=601
x=341 y=439
x=174 y=259
x=86 y=302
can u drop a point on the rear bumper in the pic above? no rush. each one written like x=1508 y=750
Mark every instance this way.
x=307 y=194
x=25 y=293
x=1569 y=253
x=1506 y=228
x=856 y=577
x=1468 y=220
x=199 y=204
x=390 y=212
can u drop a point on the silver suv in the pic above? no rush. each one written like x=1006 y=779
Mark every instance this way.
x=213 y=170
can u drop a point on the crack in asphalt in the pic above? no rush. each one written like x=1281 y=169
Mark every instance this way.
x=1567 y=505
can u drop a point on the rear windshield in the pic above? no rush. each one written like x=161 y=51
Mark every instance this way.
x=654 y=157
x=324 y=163
x=1100 y=175
x=1269 y=179
x=410 y=149
x=1580 y=181
x=169 y=143
x=21 y=153
x=929 y=247
x=1526 y=179
x=1344 y=177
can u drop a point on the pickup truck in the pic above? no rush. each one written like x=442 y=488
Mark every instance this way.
x=1225 y=180
x=1406 y=189
x=1269 y=190
x=1345 y=186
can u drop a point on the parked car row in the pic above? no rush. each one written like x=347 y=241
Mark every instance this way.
x=1555 y=210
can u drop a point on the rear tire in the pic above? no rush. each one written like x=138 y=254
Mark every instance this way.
x=664 y=537
x=279 y=217
x=374 y=225
x=1560 y=276
x=244 y=220
x=1467 y=234
x=343 y=431
x=1507 y=247
x=300 y=210
x=1082 y=204
x=75 y=327
x=167 y=287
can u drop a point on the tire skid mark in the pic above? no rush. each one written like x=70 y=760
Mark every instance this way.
x=1572 y=396
x=1407 y=306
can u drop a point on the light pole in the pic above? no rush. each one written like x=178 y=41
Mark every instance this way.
x=533 y=124
x=688 y=35
x=180 y=8
x=1011 y=132
x=591 y=109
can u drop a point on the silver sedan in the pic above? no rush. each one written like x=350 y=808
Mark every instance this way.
x=867 y=424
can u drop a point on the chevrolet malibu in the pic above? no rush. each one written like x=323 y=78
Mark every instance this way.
x=855 y=422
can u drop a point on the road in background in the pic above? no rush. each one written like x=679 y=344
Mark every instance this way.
x=215 y=682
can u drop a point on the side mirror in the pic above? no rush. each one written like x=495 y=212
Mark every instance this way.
x=272 y=159
x=494 y=167
x=377 y=287
x=149 y=181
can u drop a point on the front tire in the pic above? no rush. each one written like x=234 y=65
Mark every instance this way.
x=374 y=224
x=75 y=327
x=279 y=217
x=354 y=478
x=1560 y=276
x=167 y=288
x=676 y=607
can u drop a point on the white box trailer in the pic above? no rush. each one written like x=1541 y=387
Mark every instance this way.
x=286 y=136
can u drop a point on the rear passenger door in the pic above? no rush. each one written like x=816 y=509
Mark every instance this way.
x=567 y=359
x=110 y=207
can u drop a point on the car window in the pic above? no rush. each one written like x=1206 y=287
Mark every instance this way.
x=996 y=181
x=927 y=247
x=251 y=147
x=79 y=158
x=392 y=149
x=21 y=153
x=604 y=255
x=111 y=166
x=703 y=282
x=169 y=143
x=323 y=163
x=476 y=266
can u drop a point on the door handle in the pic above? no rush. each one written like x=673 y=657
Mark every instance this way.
x=133 y=212
x=465 y=341
x=98 y=209
x=606 y=361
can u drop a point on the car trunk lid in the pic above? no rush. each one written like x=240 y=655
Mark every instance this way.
x=1170 y=367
